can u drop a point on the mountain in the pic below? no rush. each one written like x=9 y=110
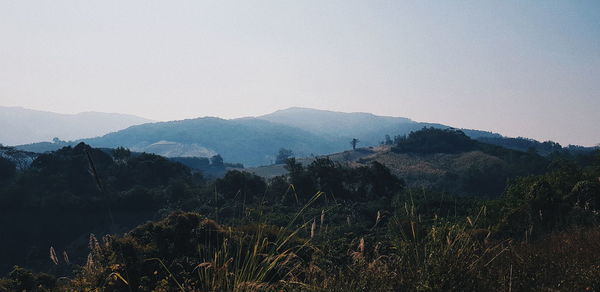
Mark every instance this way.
x=334 y=123
x=439 y=159
x=249 y=141
x=255 y=141
x=370 y=129
x=22 y=126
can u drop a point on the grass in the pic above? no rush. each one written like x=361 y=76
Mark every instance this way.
x=443 y=256
x=406 y=252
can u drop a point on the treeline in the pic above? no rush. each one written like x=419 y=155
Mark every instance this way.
x=111 y=192
x=477 y=169
x=450 y=140
x=322 y=227
x=77 y=190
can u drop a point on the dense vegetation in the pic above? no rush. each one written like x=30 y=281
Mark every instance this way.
x=530 y=145
x=433 y=140
x=322 y=227
x=461 y=165
x=38 y=207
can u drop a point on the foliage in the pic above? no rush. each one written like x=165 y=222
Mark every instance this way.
x=283 y=155
x=433 y=140
x=216 y=160
x=362 y=231
x=523 y=144
x=20 y=279
x=7 y=169
x=39 y=206
x=339 y=182
x=238 y=185
x=565 y=196
x=121 y=155
x=199 y=163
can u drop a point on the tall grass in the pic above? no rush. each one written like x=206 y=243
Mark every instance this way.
x=408 y=252
x=255 y=262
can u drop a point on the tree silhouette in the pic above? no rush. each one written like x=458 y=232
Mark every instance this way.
x=121 y=155
x=283 y=155
x=216 y=160
x=354 y=142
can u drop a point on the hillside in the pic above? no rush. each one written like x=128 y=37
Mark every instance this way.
x=22 y=126
x=476 y=208
x=255 y=141
x=324 y=225
x=248 y=141
x=21 y=159
x=472 y=172
x=370 y=129
x=439 y=159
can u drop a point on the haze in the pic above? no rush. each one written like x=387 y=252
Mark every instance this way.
x=518 y=68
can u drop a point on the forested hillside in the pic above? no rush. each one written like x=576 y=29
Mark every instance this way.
x=248 y=141
x=323 y=226
x=255 y=141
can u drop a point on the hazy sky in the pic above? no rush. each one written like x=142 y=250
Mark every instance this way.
x=521 y=68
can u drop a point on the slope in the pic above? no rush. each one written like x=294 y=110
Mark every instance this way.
x=21 y=126
x=370 y=129
x=249 y=141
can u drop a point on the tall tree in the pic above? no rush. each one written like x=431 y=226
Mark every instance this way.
x=354 y=142
x=216 y=160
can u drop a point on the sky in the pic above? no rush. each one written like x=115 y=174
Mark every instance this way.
x=520 y=68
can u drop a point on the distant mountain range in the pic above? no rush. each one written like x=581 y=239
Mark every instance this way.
x=21 y=126
x=255 y=140
x=252 y=141
x=370 y=129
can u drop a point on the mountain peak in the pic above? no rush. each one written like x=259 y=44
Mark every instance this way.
x=365 y=126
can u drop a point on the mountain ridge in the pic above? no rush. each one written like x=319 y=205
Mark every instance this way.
x=22 y=125
x=249 y=141
x=255 y=141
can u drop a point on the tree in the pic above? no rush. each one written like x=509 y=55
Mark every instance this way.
x=354 y=142
x=241 y=184
x=283 y=155
x=121 y=155
x=216 y=160
x=388 y=140
x=292 y=166
x=57 y=140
